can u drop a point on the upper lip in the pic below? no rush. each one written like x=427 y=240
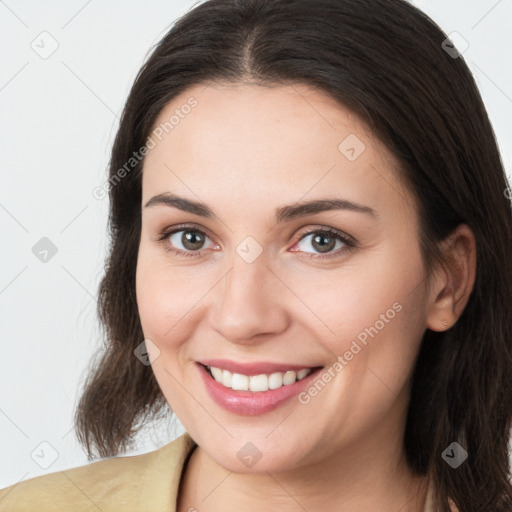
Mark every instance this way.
x=254 y=368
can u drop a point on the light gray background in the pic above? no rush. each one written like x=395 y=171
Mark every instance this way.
x=58 y=117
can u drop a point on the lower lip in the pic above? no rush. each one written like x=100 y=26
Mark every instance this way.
x=250 y=403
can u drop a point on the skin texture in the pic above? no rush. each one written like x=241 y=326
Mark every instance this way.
x=245 y=150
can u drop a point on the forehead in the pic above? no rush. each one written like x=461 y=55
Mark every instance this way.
x=259 y=142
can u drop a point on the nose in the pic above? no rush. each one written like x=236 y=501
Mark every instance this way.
x=249 y=304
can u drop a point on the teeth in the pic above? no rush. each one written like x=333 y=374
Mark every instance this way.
x=289 y=378
x=262 y=382
x=226 y=378
x=302 y=373
x=239 y=382
x=217 y=373
x=258 y=382
x=275 y=380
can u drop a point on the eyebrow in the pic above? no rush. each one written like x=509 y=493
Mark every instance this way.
x=282 y=214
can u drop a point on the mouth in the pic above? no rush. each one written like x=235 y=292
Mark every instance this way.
x=252 y=393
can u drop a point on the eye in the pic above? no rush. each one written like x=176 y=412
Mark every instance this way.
x=325 y=240
x=183 y=240
x=189 y=241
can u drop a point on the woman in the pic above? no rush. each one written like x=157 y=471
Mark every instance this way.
x=309 y=266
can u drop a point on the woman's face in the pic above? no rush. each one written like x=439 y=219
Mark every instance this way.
x=261 y=290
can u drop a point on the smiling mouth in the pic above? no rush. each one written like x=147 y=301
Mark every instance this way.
x=257 y=383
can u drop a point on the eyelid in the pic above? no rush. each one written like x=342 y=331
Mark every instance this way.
x=320 y=228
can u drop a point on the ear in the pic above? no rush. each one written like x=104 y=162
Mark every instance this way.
x=452 y=284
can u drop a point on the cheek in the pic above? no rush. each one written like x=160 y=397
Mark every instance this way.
x=374 y=319
x=169 y=299
x=377 y=332
x=349 y=306
x=167 y=317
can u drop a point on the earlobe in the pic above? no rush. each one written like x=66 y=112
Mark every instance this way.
x=453 y=283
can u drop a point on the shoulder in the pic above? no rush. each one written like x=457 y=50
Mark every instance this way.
x=140 y=482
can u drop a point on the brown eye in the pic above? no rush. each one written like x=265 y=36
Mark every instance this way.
x=327 y=243
x=184 y=241
x=322 y=242
x=189 y=239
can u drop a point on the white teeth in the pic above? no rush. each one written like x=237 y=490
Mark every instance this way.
x=258 y=382
x=289 y=378
x=226 y=378
x=302 y=373
x=240 y=382
x=255 y=383
x=217 y=374
x=275 y=380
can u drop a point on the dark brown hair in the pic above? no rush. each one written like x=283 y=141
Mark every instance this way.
x=384 y=60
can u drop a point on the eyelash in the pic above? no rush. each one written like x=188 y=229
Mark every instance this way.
x=349 y=242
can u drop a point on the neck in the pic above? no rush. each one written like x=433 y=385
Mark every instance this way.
x=368 y=474
x=212 y=491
